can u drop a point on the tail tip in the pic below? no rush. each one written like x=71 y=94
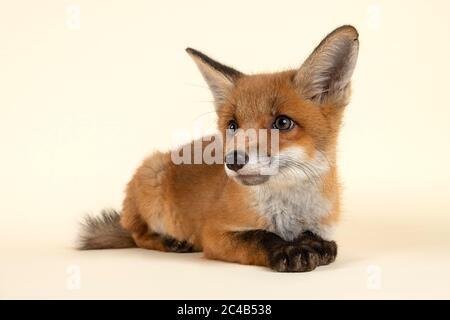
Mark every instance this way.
x=103 y=232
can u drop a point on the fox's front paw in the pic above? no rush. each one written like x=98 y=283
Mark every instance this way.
x=293 y=258
x=327 y=250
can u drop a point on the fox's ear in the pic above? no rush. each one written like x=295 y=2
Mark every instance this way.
x=220 y=78
x=325 y=76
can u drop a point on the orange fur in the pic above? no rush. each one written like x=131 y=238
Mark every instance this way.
x=200 y=203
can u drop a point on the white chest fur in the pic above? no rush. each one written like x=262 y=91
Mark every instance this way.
x=292 y=209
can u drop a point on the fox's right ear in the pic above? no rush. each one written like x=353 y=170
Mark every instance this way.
x=220 y=78
x=325 y=75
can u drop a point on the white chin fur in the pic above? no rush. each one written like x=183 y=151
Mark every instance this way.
x=292 y=200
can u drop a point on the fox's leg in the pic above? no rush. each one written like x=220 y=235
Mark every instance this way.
x=145 y=238
x=259 y=247
x=327 y=250
x=155 y=241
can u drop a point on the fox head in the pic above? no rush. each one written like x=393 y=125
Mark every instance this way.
x=303 y=107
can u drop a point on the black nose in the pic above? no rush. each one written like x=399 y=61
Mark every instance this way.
x=235 y=160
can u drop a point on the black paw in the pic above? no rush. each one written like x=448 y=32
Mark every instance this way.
x=174 y=245
x=293 y=258
x=326 y=250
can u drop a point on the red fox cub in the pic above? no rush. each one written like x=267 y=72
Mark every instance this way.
x=276 y=208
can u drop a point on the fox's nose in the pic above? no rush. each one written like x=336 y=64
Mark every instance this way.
x=236 y=160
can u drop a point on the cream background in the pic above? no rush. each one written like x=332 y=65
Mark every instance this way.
x=82 y=104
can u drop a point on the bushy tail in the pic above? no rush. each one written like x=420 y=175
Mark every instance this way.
x=104 y=232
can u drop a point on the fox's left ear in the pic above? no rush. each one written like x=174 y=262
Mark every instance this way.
x=325 y=76
x=220 y=78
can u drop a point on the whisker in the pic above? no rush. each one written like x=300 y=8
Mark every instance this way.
x=204 y=101
x=203 y=114
x=325 y=156
x=195 y=85
x=290 y=166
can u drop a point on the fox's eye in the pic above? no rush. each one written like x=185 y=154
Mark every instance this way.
x=283 y=123
x=232 y=125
